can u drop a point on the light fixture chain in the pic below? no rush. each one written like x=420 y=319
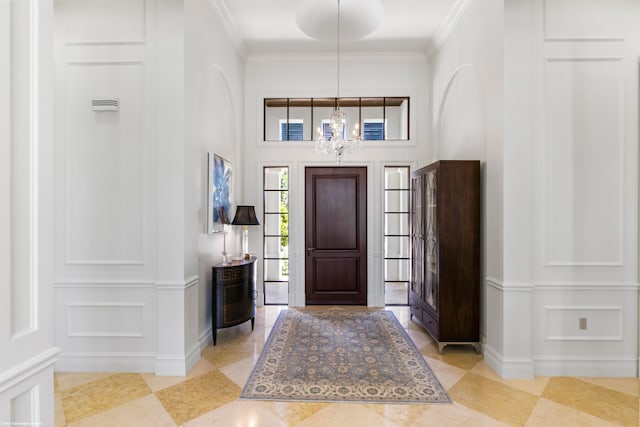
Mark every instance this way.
x=338 y=67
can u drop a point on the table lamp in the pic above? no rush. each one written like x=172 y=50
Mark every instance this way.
x=245 y=216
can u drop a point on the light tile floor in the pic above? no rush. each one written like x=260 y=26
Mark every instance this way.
x=208 y=396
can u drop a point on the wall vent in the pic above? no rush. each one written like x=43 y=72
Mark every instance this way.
x=105 y=103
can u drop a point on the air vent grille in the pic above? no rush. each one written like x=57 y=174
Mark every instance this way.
x=106 y=104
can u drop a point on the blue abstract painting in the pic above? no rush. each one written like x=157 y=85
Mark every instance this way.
x=220 y=174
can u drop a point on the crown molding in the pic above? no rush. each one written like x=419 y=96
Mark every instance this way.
x=448 y=24
x=230 y=27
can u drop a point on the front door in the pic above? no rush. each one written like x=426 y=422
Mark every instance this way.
x=336 y=235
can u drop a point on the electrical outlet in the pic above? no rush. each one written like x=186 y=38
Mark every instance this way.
x=582 y=323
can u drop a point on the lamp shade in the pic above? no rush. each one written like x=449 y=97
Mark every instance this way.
x=245 y=215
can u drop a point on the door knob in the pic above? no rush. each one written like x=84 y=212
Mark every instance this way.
x=309 y=250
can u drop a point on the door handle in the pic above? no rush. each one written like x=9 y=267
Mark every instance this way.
x=309 y=250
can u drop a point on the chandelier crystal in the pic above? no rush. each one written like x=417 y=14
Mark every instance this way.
x=337 y=142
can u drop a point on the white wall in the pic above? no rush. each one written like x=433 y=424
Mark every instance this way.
x=27 y=354
x=105 y=186
x=467 y=121
x=561 y=213
x=583 y=92
x=214 y=102
x=133 y=264
x=270 y=76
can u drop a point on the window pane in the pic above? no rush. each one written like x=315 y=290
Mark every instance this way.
x=275 y=109
x=373 y=131
x=276 y=247
x=397 y=115
x=276 y=178
x=396 y=247
x=396 y=178
x=377 y=118
x=351 y=106
x=275 y=201
x=293 y=131
x=396 y=223
x=396 y=269
x=300 y=112
x=276 y=293
x=396 y=293
x=276 y=270
x=372 y=112
x=322 y=108
x=396 y=201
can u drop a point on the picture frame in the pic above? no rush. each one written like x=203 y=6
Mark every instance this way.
x=219 y=194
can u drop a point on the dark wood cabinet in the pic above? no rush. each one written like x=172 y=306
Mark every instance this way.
x=445 y=251
x=233 y=294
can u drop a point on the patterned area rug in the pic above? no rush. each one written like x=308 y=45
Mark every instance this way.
x=338 y=356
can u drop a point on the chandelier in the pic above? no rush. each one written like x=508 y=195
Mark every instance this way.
x=335 y=141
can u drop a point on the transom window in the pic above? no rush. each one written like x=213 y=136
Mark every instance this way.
x=296 y=119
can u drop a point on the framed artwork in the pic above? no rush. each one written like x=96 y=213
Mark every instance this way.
x=219 y=200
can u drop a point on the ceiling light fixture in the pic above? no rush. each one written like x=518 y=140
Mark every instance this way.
x=332 y=138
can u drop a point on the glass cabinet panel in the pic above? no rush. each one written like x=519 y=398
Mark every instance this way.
x=431 y=240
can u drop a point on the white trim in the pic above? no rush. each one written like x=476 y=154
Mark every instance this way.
x=586 y=366
x=330 y=58
x=508 y=287
x=177 y=364
x=177 y=286
x=106 y=362
x=447 y=25
x=587 y=286
x=206 y=337
x=509 y=367
x=109 y=284
x=22 y=372
x=230 y=27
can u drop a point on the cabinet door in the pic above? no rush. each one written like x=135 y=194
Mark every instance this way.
x=431 y=239
x=417 y=236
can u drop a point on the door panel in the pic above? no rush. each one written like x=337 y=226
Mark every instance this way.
x=335 y=234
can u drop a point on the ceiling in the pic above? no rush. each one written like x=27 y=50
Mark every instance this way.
x=269 y=26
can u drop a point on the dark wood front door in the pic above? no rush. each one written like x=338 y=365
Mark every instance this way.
x=336 y=235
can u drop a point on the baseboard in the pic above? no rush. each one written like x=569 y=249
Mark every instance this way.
x=586 y=366
x=176 y=364
x=106 y=362
x=206 y=338
x=508 y=367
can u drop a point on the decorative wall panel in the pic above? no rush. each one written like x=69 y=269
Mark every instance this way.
x=585 y=137
x=105 y=320
x=583 y=19
x=103 y=21
x=601 y=323
x=104 y=164
x=22 y=143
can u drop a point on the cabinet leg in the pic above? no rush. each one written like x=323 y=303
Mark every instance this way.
x=253 y=321
x=215 y=335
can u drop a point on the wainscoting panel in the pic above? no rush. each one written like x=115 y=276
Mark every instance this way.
x=608 y=345
x=103 y=21
x=584 y=323
x=97 y=319
x=585 y=145
x=105 y=325
x=583 y=19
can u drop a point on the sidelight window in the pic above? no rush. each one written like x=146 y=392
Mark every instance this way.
x=396 y=235
x=276 y=235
